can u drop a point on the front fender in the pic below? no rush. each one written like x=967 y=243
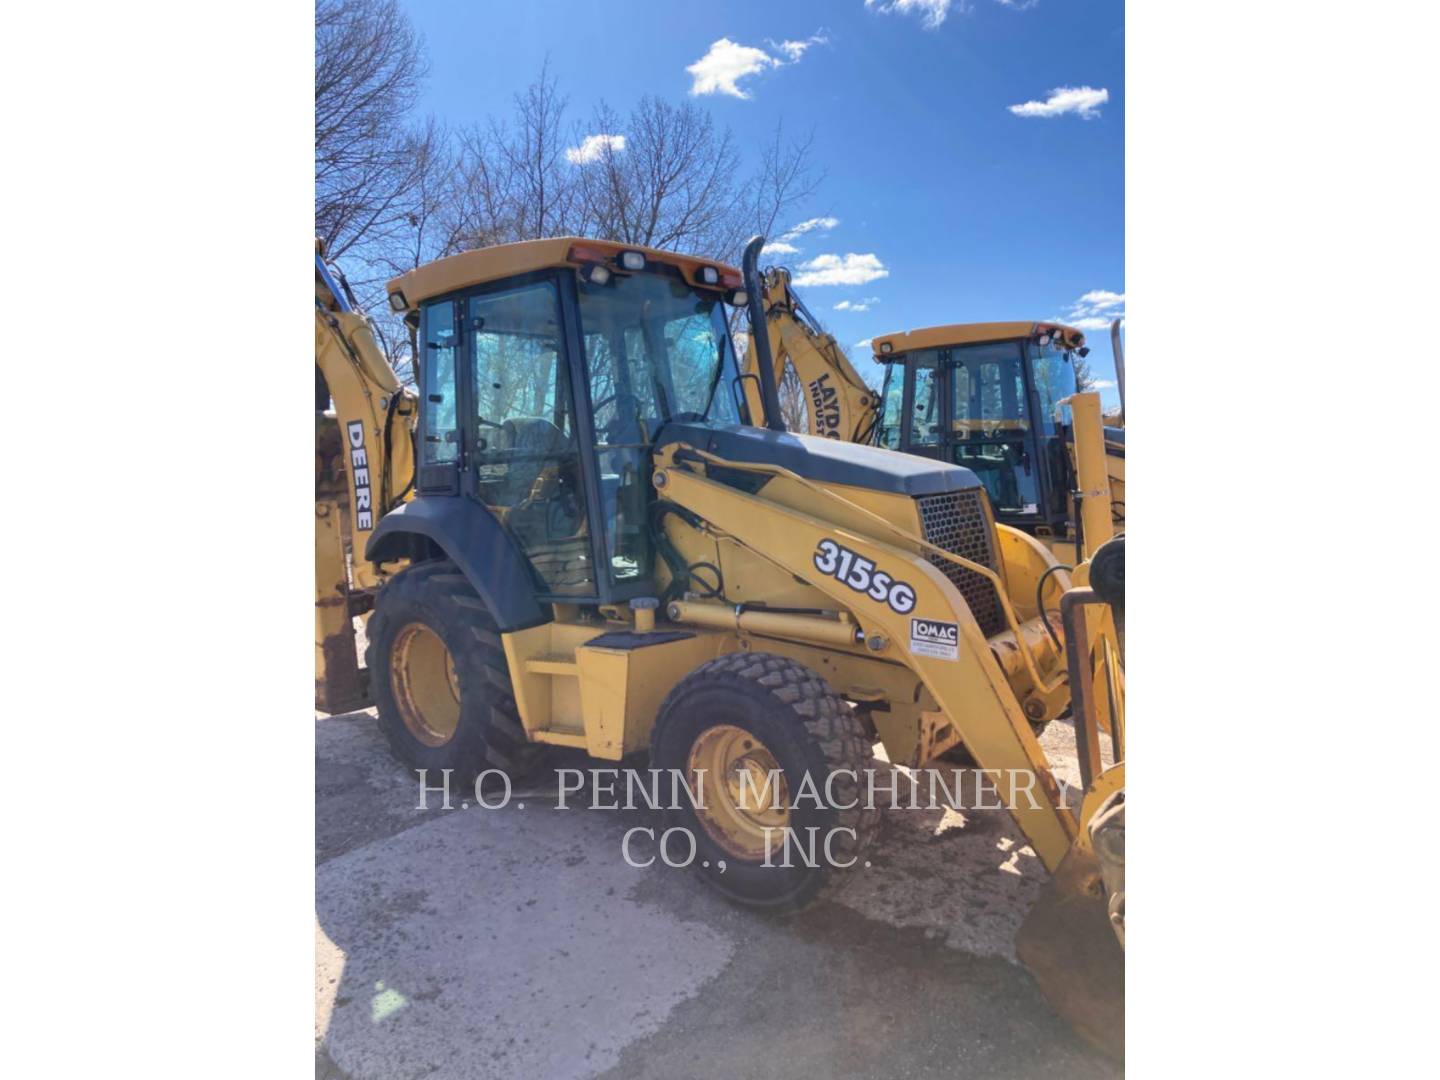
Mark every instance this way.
x=472 y=538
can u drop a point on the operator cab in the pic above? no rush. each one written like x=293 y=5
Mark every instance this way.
x=547 y=368
x=986 y=396
x=550 y=372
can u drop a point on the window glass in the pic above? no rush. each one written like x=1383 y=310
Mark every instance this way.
x=655 y=350
x=694 y=343
x=893 y=394
x=440 y=443
x=987 y=387
x=925 y=419
x=527 y=463
x=1006 y=471
x=1054 y=374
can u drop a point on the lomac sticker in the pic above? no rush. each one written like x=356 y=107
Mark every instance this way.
x=929 y=637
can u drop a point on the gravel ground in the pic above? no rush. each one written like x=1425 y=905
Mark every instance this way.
x=518 y=943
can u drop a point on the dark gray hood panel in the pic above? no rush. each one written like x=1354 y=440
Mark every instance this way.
x=824 y=461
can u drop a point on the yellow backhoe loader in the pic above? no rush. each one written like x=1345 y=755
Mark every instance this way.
x=611 y=545
x=987 y=396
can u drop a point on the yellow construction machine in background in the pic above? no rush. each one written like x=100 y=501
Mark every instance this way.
x=988 y=396
x=1001 y=399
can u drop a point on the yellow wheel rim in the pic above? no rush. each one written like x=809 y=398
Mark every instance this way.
x=744 y=792
x=422 y=677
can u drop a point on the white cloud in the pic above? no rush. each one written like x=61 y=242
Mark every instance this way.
x=593 y=148
x=1100 y=299
x=1095 y=310
x=796 y=49
x=779 y=247
x=823 y=224
x=932 y=12
x=718 y=71
x=857 y=305
x=863 y=344
x=1018 y=5
x=1102 y=384
x=848 y=269
x=1083 y=100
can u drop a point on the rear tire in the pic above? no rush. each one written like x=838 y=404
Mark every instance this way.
x=439 y=680
x=766 y=711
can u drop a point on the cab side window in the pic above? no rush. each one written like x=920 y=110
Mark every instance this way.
x=440 y=435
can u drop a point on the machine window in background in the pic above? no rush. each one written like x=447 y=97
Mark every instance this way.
x=440 y=440
x=893 y=394
x=925 y=420
x=1006 y=471
x=987 y=385
x=655 y=350
x=1054 y=373
x=527 y=464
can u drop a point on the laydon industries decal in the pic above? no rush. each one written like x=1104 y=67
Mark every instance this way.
x=930 y=637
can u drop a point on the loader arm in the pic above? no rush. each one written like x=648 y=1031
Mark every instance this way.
x=839 y=404
x=971 y=690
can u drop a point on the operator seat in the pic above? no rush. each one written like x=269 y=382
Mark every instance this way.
x=541 y=446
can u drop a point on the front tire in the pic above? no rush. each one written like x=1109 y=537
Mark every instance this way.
x=751 y=713
x=439 y=680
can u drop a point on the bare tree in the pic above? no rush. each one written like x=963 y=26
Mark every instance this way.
x=675 y=181
x=391 y=195
x=539 y=188
x=672 y=185
x=784 y=180
x=794 y=408
x=369 y=67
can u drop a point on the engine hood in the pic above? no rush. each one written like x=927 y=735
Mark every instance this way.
x=823 y=461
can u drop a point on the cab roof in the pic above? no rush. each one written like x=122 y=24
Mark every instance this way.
x=482 y=265
x=935 y=337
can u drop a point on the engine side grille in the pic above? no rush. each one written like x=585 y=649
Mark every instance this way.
x=956 y=522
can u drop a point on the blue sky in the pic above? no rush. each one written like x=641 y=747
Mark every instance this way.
x=951 y=162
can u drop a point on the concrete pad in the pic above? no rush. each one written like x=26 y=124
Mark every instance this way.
x=518 y=943
x=497 y=943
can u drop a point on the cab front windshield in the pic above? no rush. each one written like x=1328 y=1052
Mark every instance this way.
x=656 y=350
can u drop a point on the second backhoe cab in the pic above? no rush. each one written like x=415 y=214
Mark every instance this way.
x=988 y=396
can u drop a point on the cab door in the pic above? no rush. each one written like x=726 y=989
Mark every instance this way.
x=924 y=420
x=522 y=455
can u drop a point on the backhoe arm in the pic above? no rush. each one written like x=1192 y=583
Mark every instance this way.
x=375 y=416
x=839 y=405
x=364 y=463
